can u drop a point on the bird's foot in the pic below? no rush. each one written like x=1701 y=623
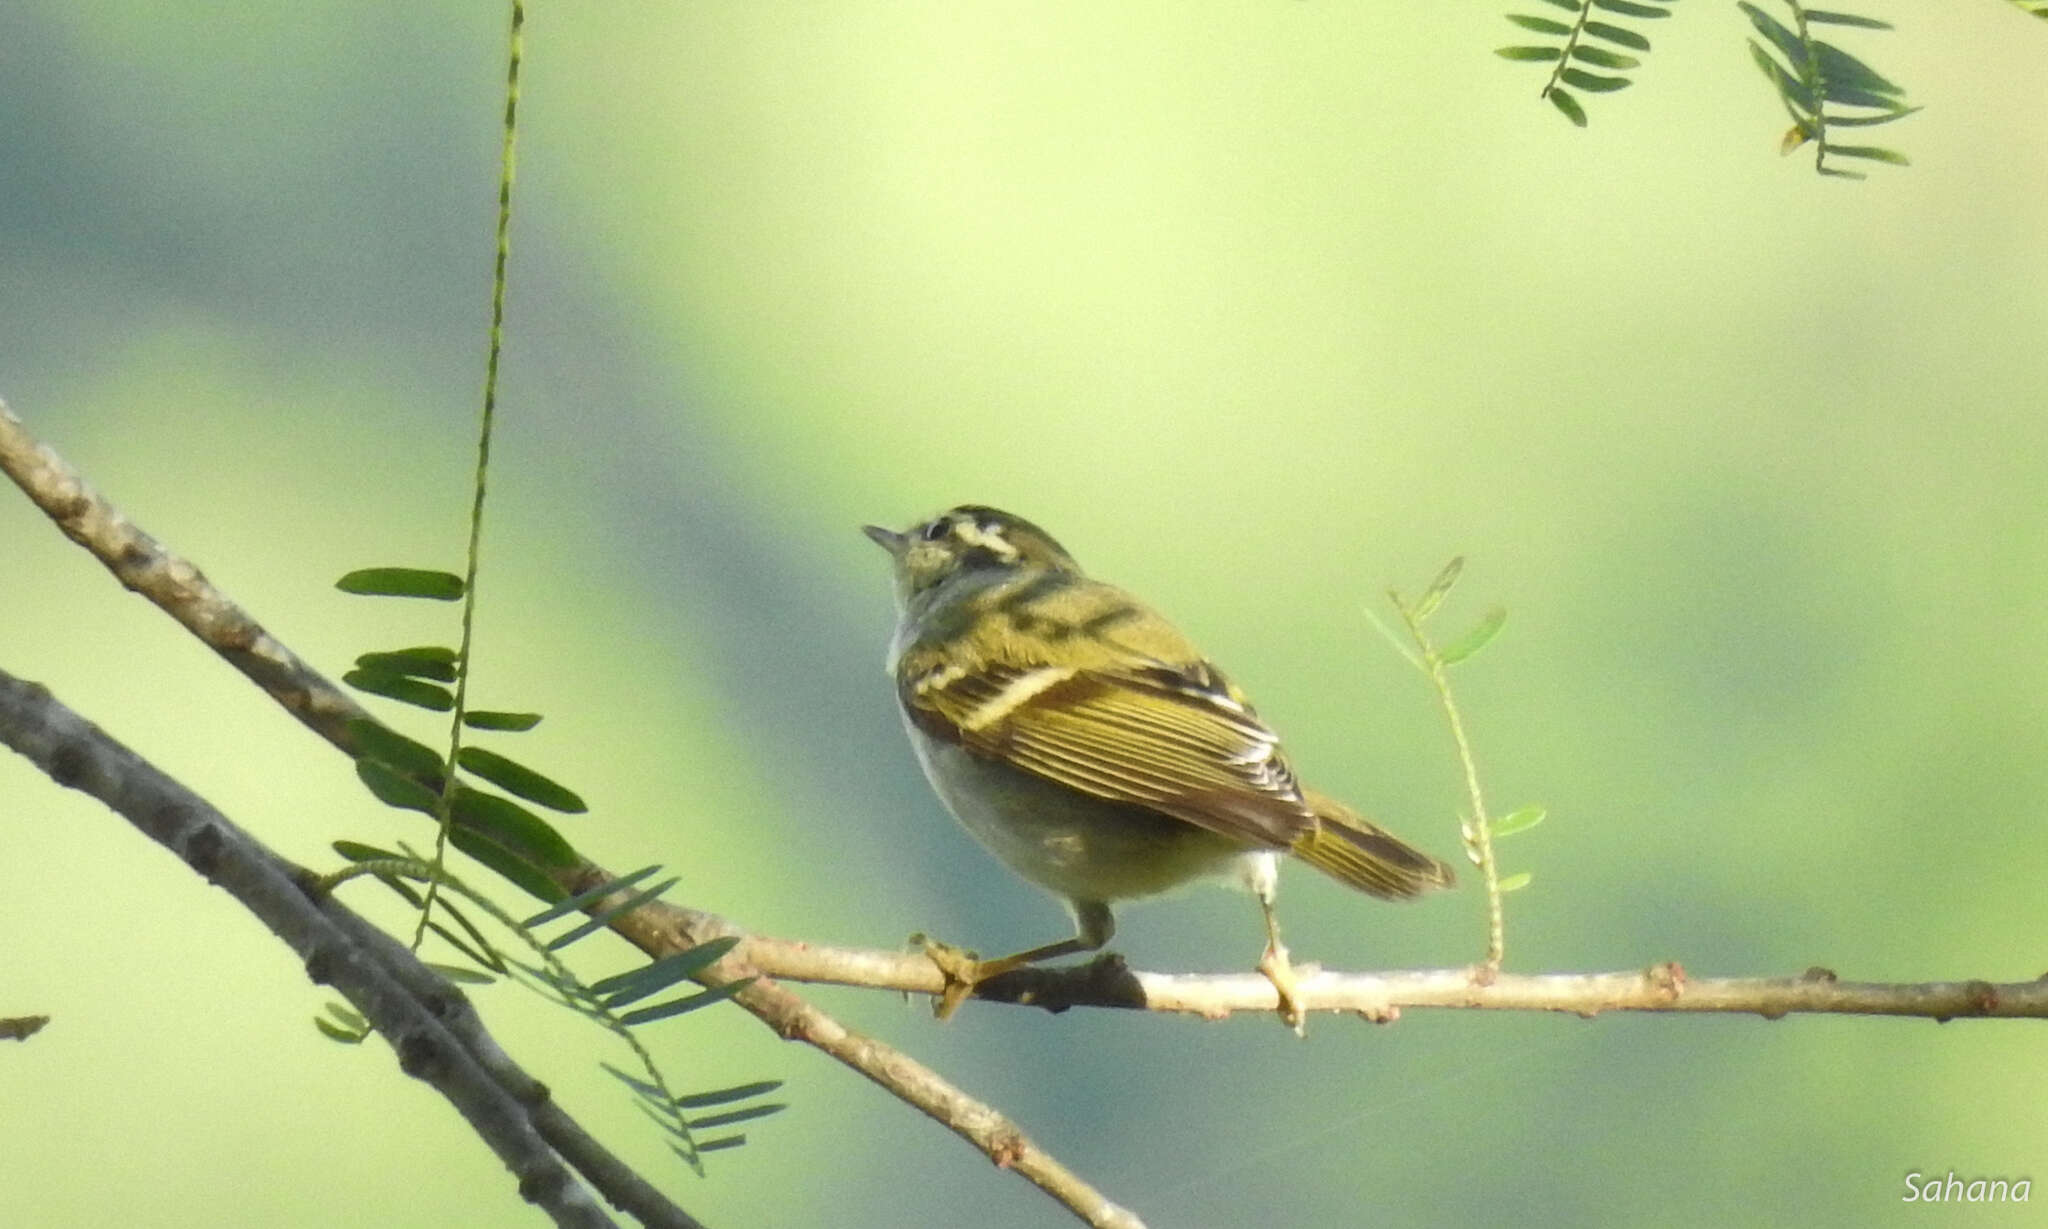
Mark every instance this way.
x=1280 y=971
x=961 y=969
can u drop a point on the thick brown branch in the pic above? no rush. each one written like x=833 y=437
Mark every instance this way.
x=421 y=1015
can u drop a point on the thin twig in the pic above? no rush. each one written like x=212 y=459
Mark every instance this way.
x=1665 y=987
x=1479 y=827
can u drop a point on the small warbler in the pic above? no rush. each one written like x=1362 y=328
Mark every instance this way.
x=1093 y=750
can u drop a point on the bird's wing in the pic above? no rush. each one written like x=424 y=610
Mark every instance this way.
x=1175 y=738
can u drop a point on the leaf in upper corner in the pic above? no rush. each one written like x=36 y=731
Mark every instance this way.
x=402 y=582
x=1827 y=18
x=1592 y=84
x=1620 y=36
x=1629 y=9
x=1476 y=639
x=514 y=723
x=521 y=780
x=430 y=696
x=1600 y=58
x=1867 y=121
x=1839 y=68
x=1542 y=25
x=1563 y=101
x=1529 y=53
x=1790 y=88
x=1787 y=43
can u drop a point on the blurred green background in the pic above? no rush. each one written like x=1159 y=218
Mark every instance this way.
x=1262 y=308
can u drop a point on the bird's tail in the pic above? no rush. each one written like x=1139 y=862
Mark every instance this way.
x=1353 y=850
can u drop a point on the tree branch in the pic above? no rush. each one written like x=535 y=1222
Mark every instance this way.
x=427 y=1021
x=1107 y=982
x=142 y=564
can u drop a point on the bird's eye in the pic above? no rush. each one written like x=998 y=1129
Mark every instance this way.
x=936 y=530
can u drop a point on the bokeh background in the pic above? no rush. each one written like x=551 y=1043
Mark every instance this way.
x=1263 y=309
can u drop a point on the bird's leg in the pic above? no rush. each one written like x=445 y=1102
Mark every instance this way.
x=1264 y=878
x=964 y=971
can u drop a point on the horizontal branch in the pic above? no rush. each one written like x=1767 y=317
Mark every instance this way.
x=1107 y=982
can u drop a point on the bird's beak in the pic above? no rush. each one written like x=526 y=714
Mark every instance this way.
x=888 y=539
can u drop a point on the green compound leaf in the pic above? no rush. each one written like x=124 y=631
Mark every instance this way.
x=430 y=696
x=676 y=1007
x=729 y=1117
x=376 y=741
x=1789 y=87
x=570 y=904
x=1542 y=25
x=1564 y=102
x=1586 y=81
x=1628 y=9
x=1476 y=639
x=1519 y=821
x=513 y=827
x=1826 y=18
x=638 y=983
x=517 y=778
x=513 y=868
x=1618 y=35
x=514 y=723
x=1599 y=58
x=1440 y=588
x=726 y=1096
x=427 y=661
x=395 y=790
x=402 y=582
x=1872 y=152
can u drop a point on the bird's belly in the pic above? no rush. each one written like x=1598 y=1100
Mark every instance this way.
x=1076 y=846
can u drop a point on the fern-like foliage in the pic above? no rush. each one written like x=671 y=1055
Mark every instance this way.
x=1824 y=88
x=605 y=1003
x=1580 y=48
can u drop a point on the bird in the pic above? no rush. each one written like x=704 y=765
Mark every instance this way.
x=1087 y=743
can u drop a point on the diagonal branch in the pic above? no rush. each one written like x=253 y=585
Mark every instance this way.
x=427 y=1021
x=144 y=565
